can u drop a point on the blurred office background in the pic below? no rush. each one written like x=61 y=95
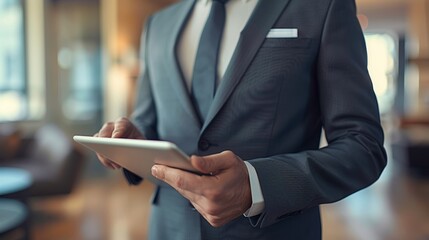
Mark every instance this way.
x=66 y=66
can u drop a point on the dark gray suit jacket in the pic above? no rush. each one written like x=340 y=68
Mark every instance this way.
x=269 y=109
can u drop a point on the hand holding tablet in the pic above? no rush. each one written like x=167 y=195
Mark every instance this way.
x=138 y=156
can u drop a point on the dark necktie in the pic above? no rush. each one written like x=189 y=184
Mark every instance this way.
x=205 y=68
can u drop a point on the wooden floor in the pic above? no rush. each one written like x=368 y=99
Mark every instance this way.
x=396 y=207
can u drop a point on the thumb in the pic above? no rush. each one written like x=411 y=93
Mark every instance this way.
x=213 y=164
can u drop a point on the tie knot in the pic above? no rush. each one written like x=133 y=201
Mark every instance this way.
x=221 y=1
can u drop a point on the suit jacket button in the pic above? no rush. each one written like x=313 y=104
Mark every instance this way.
x=203 y=145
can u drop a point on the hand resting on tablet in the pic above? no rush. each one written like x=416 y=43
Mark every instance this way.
x=121 y=128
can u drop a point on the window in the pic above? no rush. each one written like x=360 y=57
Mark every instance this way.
x=13 y=97
x=79 y=59
x=382 y=62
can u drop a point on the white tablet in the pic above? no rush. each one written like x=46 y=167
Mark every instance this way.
x=138 y=156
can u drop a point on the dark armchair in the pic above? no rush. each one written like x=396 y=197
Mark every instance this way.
x=53 y=161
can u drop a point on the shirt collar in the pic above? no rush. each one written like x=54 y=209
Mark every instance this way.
x=207 y=1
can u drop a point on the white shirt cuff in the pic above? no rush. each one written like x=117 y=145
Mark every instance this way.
x=258 y=203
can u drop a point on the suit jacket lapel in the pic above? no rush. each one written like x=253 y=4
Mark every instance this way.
x=253 y=35
x=176 y=75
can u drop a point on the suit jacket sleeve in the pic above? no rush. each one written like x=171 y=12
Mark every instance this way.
x=354 y=157
x=144 y=115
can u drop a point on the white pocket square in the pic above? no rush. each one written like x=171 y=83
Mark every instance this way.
x=283 y=33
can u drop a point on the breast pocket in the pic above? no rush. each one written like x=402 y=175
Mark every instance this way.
x=287 y=43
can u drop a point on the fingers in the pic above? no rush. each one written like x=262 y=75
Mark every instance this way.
x=181 y=180
x=122 y=128
x=105 y=161
x=115 y=129
x=215 y=163
x=106 y=130
x=108 y=163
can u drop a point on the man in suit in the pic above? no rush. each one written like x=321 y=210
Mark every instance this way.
x=283 y=70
